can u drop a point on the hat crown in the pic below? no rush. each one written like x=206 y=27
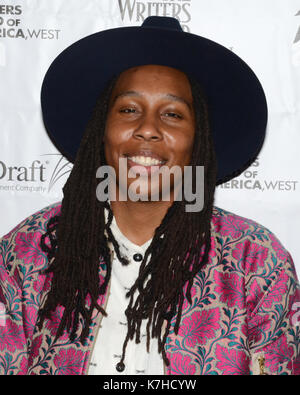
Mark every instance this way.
x=162 y=22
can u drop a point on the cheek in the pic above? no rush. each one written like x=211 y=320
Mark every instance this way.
x=112 y=138
x=189 y=143
x=183 y=149
x=110 y=147
x=116 y=132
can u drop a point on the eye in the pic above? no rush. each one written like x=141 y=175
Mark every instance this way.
x=129 y=110
x=171 y=114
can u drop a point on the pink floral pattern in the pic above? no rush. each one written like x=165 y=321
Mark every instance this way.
x=231 y=285
x=252 y=255
x=277 y=246
x=258 y=326
x=276 y=293
x=28 y=248
x=183 y=365
x=35 y=350
x=255 y=295
x=232 y=362
x=231 y=226
x=200 y=327
x=11 y=338
x=282 y=353
x=242 y=306
x=68 y=362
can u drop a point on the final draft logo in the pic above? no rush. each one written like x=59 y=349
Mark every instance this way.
x=60 y=171
x=138 y=11
x=39 y=176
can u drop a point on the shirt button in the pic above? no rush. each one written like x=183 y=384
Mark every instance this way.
x=120 y=367
x=138 y=257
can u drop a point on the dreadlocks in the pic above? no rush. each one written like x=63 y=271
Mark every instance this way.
x=79 y=236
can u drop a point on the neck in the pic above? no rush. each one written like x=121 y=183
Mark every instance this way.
x=138 y=220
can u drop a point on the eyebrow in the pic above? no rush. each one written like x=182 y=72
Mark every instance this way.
x=167 y=95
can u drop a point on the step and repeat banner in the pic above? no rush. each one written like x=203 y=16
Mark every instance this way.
x=265 y=33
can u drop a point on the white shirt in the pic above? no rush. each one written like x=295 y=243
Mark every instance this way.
x=112 y=332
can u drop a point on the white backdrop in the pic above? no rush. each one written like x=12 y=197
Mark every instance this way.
x=265 y=33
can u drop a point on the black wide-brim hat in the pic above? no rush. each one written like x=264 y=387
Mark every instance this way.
x=236 y=100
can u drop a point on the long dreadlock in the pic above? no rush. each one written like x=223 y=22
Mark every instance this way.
x=79 y=236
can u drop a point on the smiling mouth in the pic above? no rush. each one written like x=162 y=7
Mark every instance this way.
x=146 y=159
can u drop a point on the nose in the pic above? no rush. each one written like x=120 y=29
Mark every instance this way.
x=148 y=129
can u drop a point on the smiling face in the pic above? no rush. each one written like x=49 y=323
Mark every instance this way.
x=150 y=120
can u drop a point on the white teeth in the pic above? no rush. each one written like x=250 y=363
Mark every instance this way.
x=145 y=160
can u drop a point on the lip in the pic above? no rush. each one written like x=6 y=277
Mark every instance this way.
x=151 y=169
x=147 y=154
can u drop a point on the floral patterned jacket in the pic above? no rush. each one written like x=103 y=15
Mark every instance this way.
x=244 y=317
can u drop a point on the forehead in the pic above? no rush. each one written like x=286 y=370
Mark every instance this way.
x=154 y=79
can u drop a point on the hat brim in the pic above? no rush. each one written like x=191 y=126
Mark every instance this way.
x=236 y=100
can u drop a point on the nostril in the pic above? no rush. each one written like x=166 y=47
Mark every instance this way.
x=146 y=136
